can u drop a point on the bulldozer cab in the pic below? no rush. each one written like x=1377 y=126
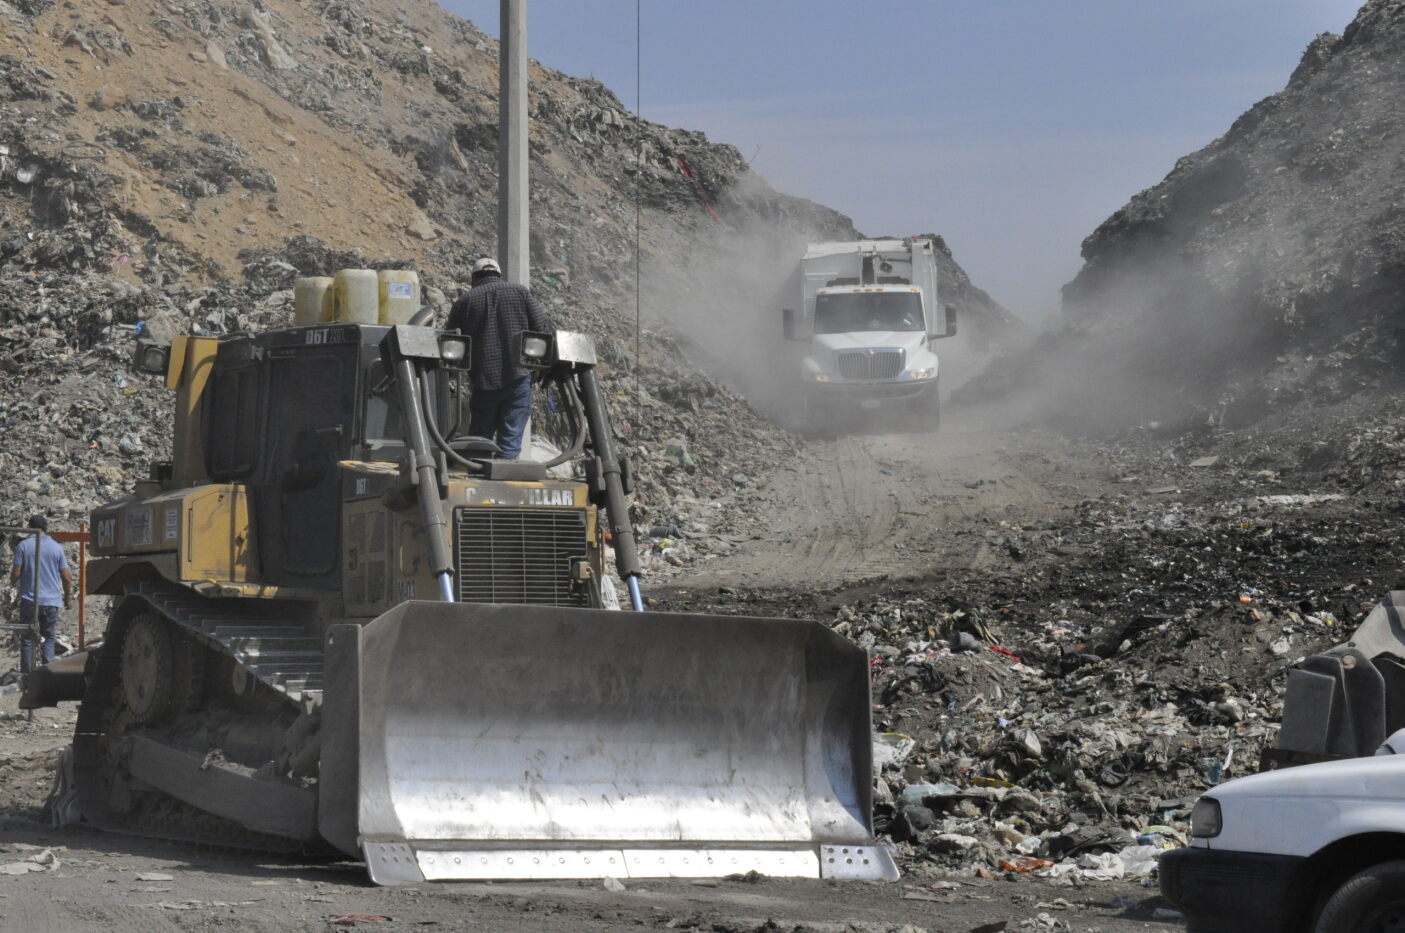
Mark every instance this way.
x=283 y=410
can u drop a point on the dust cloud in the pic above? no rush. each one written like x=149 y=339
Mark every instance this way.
x=725 y=298
x=1161 y=341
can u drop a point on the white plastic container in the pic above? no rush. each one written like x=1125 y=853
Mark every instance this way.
x=355 y=297
x=309 y=295
x=399 y=295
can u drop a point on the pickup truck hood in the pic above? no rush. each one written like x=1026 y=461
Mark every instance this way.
x=1379 y=776
x=1298 y=811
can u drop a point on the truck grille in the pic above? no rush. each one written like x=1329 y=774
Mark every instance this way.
x=506 y=555
x=869 y=364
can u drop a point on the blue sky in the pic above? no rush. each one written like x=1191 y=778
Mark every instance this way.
x=1013 y=127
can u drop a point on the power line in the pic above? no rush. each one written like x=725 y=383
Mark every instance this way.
x=638 y=170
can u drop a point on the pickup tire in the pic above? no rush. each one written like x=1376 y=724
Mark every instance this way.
x=1371 y=901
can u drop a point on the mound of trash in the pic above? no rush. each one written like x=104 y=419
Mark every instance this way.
x=1057 y=707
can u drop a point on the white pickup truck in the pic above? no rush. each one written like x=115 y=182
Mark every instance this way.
x=1318 y=849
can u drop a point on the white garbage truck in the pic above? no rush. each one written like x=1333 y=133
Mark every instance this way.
x=868 y=313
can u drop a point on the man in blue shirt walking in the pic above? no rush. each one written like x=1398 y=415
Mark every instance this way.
x=55 y=587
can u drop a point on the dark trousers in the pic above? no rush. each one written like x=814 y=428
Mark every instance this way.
x=501 y=415
x=48 y=625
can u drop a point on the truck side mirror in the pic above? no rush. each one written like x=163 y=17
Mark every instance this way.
x=790 y=327
x=949 y=328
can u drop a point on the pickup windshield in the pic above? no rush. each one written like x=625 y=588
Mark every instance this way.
x=847 y=312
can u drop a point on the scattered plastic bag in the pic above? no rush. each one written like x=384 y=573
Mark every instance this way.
x=890 y=748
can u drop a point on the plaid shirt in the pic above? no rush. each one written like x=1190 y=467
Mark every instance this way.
x=492 y=314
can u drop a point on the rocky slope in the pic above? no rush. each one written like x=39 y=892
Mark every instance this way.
x=176 y=165
x=1266 y=270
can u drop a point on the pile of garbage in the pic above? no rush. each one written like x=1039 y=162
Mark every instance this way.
x=1060 y=712
x=152 y=195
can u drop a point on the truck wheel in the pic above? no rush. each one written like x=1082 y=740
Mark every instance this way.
x=1371 y=901
x=814 y=419
x=932 y=417
x=929 y=412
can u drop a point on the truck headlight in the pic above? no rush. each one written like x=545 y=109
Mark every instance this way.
x=918 y=374
x=820 y=377
x=1206 y=821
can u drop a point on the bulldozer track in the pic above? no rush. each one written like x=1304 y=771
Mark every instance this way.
x=266 y=638
x=284 y=657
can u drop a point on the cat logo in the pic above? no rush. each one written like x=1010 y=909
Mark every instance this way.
x=107 y=532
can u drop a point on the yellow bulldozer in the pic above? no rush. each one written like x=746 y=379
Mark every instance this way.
x=341 y=624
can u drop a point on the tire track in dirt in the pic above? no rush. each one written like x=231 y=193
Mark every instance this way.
x=37 y=907
x=864 y=507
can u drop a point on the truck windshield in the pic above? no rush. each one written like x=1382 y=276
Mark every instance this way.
x=847 y=312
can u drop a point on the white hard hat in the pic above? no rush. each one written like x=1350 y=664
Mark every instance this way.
x=486 y=265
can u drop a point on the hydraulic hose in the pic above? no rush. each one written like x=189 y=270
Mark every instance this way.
x=436 y=530
x=616 y=509
x=431 y=421
x=477 y=466
x=578 y=417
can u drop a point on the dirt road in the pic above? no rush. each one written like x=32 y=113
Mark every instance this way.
x=868 y=506
x=116 y=884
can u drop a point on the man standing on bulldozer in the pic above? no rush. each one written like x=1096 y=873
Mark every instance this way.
x=492 y=315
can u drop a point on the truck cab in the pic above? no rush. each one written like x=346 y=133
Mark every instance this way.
x=870 y=313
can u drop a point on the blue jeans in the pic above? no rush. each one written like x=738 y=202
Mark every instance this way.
x=501 y=415
x=48 y=624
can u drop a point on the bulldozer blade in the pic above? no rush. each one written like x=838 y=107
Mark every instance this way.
x=466 y=741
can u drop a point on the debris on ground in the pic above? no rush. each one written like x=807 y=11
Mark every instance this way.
x=30 y=859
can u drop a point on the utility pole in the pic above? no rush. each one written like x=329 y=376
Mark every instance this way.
x=514 y=245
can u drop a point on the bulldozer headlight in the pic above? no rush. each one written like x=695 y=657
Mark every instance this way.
x=534 y=350
x=153 y=358
x=453 y=349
